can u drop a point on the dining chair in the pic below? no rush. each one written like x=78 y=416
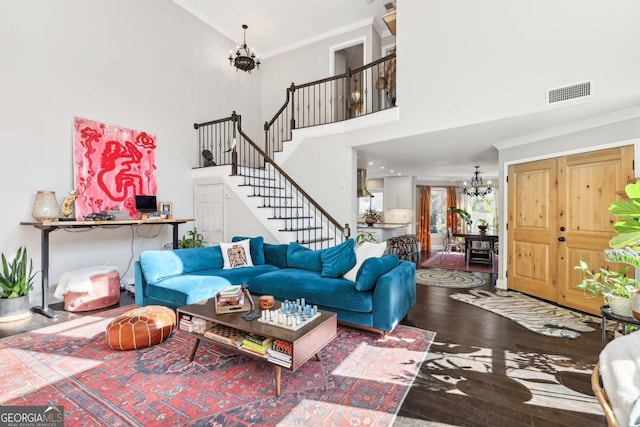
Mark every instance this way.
x=480 y=252
x=451 y=242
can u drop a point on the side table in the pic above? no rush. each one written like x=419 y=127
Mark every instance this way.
x=608 y=315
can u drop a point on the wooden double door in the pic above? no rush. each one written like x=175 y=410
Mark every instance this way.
x=558 y=214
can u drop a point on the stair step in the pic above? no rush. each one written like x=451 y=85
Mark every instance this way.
x=290 y=218
x=308 y=242
x=270 y=195
x=281 y=207
x=266 y=178
x=301 y=229
x=267 y=187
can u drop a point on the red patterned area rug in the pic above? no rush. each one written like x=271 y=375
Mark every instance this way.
x=455 y=261
x=362 y=379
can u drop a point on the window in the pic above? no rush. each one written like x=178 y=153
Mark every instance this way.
x=438 y=219
x=375 y=202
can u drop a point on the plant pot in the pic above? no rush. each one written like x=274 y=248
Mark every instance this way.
x=14 y=308
x=370 y=222
x=620 y=306
x=635 y=304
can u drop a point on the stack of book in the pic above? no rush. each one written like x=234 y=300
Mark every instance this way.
x=185 y=323
x=280 y=353
x=231 y=296
x=257 y=343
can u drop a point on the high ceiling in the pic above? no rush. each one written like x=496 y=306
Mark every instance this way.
x=278 y=25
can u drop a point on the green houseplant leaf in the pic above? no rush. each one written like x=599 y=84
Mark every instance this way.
x=16 y=278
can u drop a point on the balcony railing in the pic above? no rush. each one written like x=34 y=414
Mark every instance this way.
x=364 y=90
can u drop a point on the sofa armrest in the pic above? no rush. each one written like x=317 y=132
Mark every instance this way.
x=394 y=295
x=140 y=284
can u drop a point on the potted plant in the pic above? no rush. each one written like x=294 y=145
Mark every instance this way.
x=371 y=216
x=483 y=225
x=365 y=237
x=618 y=289
x=463 y=214
x=16 y=280
x=195 y=240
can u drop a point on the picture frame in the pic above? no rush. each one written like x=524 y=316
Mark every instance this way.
x=166 y=208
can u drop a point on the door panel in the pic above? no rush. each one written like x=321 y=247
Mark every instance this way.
x=209 y=212
x=558 y=216
x=531 y=257
x=588 y=183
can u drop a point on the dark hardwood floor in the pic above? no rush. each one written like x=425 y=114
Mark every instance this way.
x=486 y=370
x=482 y=370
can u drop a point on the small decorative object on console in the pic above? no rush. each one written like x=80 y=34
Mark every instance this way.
x=45 y=207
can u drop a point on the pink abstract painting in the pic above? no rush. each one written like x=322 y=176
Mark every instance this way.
x=112 y=165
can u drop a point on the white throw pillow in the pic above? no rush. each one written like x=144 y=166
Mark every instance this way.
x=364 y=251
x=236 y=254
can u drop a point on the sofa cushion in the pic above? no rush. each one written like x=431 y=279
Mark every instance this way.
x=299 y=256
x=187 y=289
x=276 y=254
x=157 y=265
x=256 y=244
x=338 y=259
x=236 y=254
x=365 y=251
x=239 y=276
x=292 y=283
x=372 y=269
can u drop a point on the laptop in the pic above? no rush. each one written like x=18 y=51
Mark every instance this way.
x=146 y=204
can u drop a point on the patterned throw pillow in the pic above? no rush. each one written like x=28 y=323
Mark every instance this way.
x=236 y=254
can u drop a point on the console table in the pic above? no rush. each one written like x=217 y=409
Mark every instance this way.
x=47 y=227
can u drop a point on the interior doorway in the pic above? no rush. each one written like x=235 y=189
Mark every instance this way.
x=348 y=56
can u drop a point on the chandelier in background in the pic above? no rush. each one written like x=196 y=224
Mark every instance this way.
x=477 y=188
x=244 y=60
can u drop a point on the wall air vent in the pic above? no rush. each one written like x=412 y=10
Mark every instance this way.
x=568 y=93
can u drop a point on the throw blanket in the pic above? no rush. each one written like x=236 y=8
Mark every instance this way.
x=620 y=372
x=80 y=280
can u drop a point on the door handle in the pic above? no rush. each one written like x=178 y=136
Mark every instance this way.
x=561 y=239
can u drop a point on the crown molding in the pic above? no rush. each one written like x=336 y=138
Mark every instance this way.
x=305 y=42
x=607 y=119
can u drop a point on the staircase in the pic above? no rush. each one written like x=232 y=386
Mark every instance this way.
x=297 y=215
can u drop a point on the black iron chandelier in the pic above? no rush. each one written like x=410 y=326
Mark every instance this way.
x=244 y=59
x=477 y=188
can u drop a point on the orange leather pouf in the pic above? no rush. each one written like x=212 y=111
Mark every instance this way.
x=141 y=327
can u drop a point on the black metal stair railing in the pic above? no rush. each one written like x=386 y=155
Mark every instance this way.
x=297 y=212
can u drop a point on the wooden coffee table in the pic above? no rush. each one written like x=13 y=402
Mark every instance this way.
x=306 y=341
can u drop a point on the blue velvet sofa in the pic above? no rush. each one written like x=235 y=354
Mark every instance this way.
x=380 y=297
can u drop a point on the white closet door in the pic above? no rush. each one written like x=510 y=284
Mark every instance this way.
x=209 y=211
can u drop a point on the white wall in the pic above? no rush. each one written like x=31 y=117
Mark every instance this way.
x=325 y=168
x=146 y=65
x=492 y=59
